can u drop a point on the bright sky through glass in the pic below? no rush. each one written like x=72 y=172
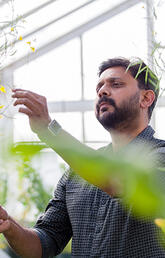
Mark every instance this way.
x=123 y=35
x=160 y=36
x=55 y=75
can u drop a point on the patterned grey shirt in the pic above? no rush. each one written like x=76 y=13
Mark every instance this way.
x=97 y=223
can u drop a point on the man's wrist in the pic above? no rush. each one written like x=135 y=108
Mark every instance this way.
x=54 y=127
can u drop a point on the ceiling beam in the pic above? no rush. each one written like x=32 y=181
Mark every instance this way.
x=73 y=33
x=25 y=15
x=56 y=20
x=71 y=106
x=3 y=2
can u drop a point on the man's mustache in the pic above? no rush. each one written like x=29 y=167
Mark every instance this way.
x=105 y=100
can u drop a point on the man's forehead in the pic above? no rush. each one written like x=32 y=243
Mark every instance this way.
x=116 y=71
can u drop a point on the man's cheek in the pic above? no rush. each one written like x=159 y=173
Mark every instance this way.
x=96 y=112
x=96 y=108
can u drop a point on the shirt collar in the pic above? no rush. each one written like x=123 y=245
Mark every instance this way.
x=143 y=137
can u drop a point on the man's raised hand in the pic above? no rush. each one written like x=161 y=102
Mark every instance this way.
x=4 y=220
x=35 y=107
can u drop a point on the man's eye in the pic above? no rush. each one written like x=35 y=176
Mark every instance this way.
x=117 y=84
x=97 y=89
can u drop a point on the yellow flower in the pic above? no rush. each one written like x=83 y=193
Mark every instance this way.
x=160 y=223
x=1 y=116
x=2 y=88
x=154 y=33
x=1 y=106
x=12 y=28
x=20 y=38
x=29 y=42
x=33 y=49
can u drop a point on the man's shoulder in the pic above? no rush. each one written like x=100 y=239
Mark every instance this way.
x=158 y=144
x=70 y=179
x=158 y=150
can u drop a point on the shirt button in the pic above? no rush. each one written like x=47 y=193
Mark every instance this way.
x=98 y=229
x=103 y=201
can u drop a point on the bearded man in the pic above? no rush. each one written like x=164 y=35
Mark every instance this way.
x=93 y=217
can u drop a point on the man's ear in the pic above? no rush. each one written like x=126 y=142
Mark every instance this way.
x=147 y=98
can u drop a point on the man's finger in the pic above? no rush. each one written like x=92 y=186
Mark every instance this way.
x=3 y=214
x=14 y=90
x=37 y=102
x=26 y=94
x=26 y=91
x=4 y=226
x=26 y=111
x=29 y=104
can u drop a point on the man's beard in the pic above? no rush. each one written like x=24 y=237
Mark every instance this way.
x=122 y=116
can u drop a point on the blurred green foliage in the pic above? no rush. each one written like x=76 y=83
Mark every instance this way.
x=135 y=167
x=32 y=193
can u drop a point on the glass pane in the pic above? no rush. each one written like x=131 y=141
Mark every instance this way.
x=71 y=122
x=160 y=39
x=72 y=21
x=58 y=8
x=55 y=9
x=48 y=165
x=55 y=29
x=22 y=7
x=22 y=131
x=55 y=75
x=160 y=122
x=94 y=130
x=123 y=35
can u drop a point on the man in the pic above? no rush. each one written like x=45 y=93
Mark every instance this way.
x=96 y=221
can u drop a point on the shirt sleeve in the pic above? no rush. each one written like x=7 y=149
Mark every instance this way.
x=54 y=227
x=159 y=179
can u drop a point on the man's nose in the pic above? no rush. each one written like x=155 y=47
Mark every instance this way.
x=104 y=90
